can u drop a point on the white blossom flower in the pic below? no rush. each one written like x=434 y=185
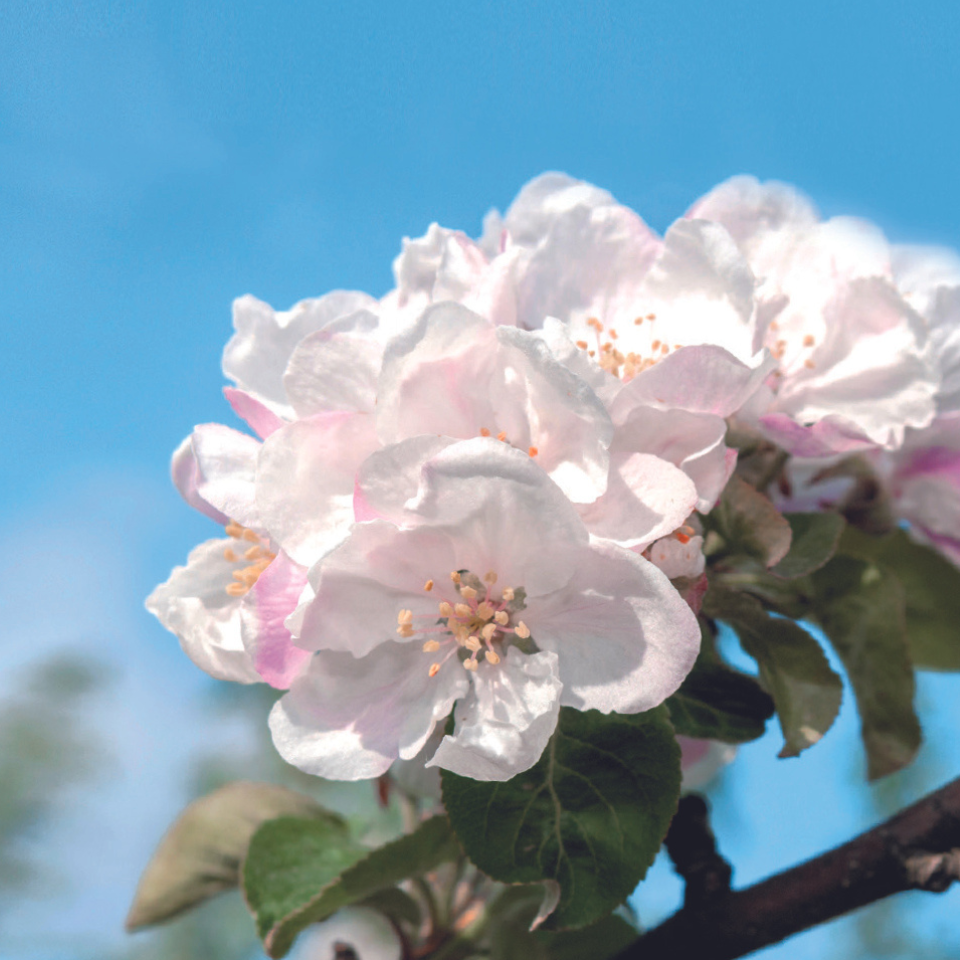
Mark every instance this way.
x=363 y=930
x=486 y=590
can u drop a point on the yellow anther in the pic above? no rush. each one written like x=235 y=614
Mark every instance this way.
x=809 y=364
x=237 y=589
x=522 y=630
x=473 y=644
x=428 y=586
x=651 y=316
x=230 y=556
x=592 y=353
x=664 y=348
x=254 y=553
x=239 y=575
x=595 y=323
x=431 y=646
x=468 y=593
x=532 y=451
x=638 y=321
x=613 y=333
x=489 y=631
x=484 y=432
x=808 y=340
x=234 y=529
x=454 y=576
x=508 y=594
x=492 y=657
x=490 y=577
x=502 y=617
x=485 y=610
x=251 y=536
x=655 y=345
x=469 y=664
x=405 y=630
x=502 y=436
x=434 y=669
x=462 y=610
x=582 y=344
x=446 y=610
x=405 y=616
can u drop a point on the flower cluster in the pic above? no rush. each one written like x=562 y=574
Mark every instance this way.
x=480 y=496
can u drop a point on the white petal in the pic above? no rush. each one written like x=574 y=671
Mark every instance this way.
x=186 y=478
x=333 y=371
x=676 y=559
x=624 y=636
x=257 y=354
x=363 y=584
x=367 y=932
x=305 y=481
x=503 y=728
x=226 y=471
x=349 y=718
x=194 y=604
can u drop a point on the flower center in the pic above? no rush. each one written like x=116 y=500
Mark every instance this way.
x=502 y=437
x=624 y=365
x=476 y=619
x=788 y=352
x=250 y=548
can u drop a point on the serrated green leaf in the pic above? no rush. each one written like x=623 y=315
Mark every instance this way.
x=932 y=589
x=748 y=524
x=600 y=941
x=805 y=689
x=296 y=873
x=200 y=854
x=590 y=814
x=715 y=702
x=815 y=537
x=860 y=606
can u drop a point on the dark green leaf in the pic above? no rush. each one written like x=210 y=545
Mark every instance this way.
x=932 y=587
x=297 y=873
x=590 y=814
x=861 y=609
x=598 y=942
x=400 y=907
x=814 y=542
x=718 y=703
x=744 y=523
x=805 y=690
x=200 y=854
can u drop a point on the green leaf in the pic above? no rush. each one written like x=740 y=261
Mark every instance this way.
x=814 y=542
x=590 y=814
x=805 y=689
x=860 y=606
x=718 y=703
x=599 y=941
x=932 y=588
x=298 y=872
x=747 y=525
x=200 y=854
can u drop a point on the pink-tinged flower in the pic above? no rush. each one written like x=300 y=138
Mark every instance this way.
x=483 y=590
x=855 y=367
x=227 y=606
x=924 y=484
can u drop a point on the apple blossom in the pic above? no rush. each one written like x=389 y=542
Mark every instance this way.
x=490 y=595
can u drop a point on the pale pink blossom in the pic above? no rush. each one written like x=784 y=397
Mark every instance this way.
x=483 y=589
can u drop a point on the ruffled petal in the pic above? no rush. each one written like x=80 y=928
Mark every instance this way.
x=349 y=718
x=624 y=636
x=305 y=481
x=226 y=462
x=186 y=478
x=503 y=728
x=194 y=604
x=261 y=419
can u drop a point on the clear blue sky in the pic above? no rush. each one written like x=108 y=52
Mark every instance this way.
x=158 y=159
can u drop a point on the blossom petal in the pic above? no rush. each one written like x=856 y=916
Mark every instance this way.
x=257 y=354
x=363 y=584
x=504 y=727
x=194 y=604
x=305 y=481
x=226 y=471
x=261 y=419
x=267 y=640
x=349 y=718
x=186 y=477
x=367 y=932
x=625 y=637
x=333 y=371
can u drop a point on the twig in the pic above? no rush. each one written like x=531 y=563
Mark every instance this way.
x=918 y=849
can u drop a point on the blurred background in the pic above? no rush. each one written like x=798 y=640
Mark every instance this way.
x=158 y=159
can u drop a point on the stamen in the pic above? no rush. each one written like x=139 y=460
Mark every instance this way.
x=809 y=364
x=470 y=664
x=582 y=344
x=613 y=333
x=808 y=340
x=434 y=669
x=405 y=616
x=233 y=529
x=651 y=316
x=446 y=609
x=237 y=589
x=251 y=536
x=254 y=553
x=508 y=594
x=655 y=345
x=431 y=646
x=230 y=556
x=502 y=436
x=473 y=644
x=462 y=610
x=490 y=577
x=488 y=632
x=454 y=576
x=428 y=586
x=492 y=657
x=485 y=610
x=532 y=451
x=468 y=593
x=484 y=432
x=502 y=617
x=522 y=630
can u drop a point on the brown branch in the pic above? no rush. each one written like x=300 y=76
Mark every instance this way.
x=918 y=849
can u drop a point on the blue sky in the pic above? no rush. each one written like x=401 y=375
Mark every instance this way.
x=159 y=159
